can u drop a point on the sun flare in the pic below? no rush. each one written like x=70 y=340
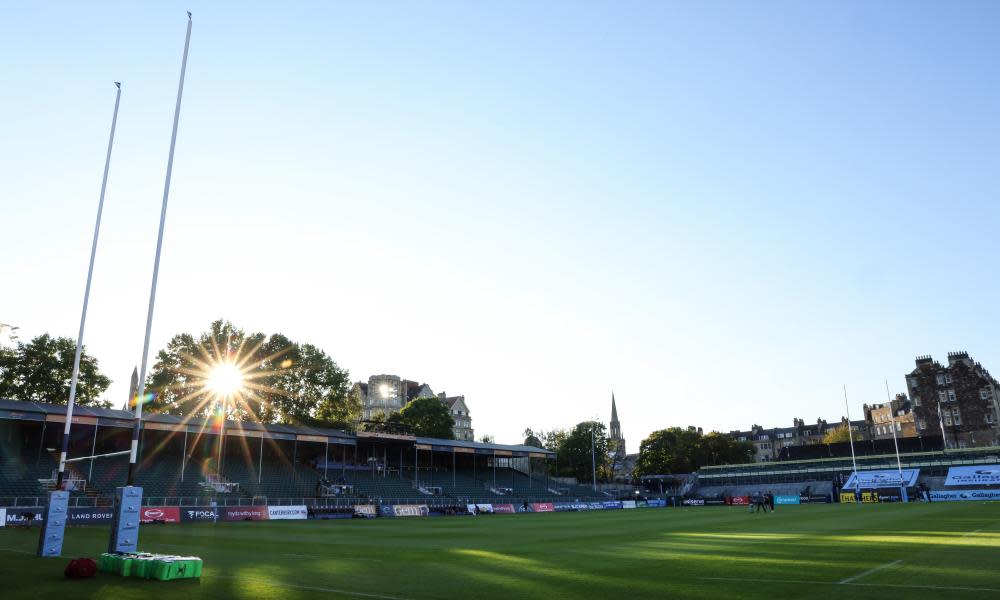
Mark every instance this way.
x=225 y=379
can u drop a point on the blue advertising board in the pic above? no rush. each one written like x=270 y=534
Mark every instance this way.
x=786 y=499
x=964 y=495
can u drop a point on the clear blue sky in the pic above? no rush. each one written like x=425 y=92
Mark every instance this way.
x=723 y=211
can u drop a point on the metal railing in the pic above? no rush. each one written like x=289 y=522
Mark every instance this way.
x=328 y=502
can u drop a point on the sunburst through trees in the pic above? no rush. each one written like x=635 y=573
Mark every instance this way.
x=250 y=376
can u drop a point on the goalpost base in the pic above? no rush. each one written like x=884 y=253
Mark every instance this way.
x=50 y=540
x=125 y=520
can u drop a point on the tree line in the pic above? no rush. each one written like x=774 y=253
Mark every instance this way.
x=288 y=382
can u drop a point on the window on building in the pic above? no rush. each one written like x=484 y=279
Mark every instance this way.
x=942 y=396
x=947 y=377
x=916 y=400
x=961 y=444
x=947 y=420
x=921 y=424
x=989 y=417
x=940 y=379
x=984 y=394
x=951 y=396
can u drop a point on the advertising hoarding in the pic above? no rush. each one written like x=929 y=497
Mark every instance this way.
x=505 y=509
x=245 y=513
x=628 y=503
x=786 y=499
x=165 y=514
x=542 y=507
x=411 y=510
x=964 y=495
x=195 y=514
x=881 y=479
x=287 y=513
x=978 y=475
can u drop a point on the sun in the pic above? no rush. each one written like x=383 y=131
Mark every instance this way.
x=225 y=379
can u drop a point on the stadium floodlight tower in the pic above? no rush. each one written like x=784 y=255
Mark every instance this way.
x=128 y=499
x=56 y=509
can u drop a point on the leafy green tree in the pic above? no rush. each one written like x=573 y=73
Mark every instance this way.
x=41 y=370
x=282 y=381
x=486 y=439
x=428 y=417
x=573 y=456
x=837 y=434
x=677 y=450
x=532 y=439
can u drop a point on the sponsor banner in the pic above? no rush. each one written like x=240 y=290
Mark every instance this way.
x=287 y=513
x=3 y=517
x=641 y=504
x=980 y=475
x=89 y=516
x=505 y=509
x=595 y=506
x=740 y=500
x=198 y=513
x=786 y=499
x=714 y=501
x=659 y=502
x=386 y=511
x=628 y=503
x=543 y=507
x=966 y=495
x=881 y=479
x=483 y=508
x=820 y=498
x=563 y=506
x=166 y=514
x=847 y=498
x=245 y=513
x=612 y=505
x=367 y=510
x=692 y=502
x=871 y=497
x=411 y=510
x=18 y=516
x=888 y=495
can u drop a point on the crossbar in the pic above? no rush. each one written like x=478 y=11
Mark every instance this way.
x=69 y=460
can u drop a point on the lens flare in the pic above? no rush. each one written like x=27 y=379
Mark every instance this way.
x=225 y=379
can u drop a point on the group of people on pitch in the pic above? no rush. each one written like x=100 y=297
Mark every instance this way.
x=761 y=501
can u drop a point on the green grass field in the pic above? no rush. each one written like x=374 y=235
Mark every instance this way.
x=944 y=550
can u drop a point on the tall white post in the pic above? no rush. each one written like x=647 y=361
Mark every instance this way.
x=892 y=424
x=156 y=263
x=86 y=295
x=850 y=435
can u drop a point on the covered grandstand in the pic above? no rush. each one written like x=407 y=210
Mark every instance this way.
x=194 y=462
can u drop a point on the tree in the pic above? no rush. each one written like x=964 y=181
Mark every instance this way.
x=532 y=439
x=278 y=380
x=573 y=456
x=838 y=434
x=486 y=439
x=676 y=450
x=41 y=371
x=428 y=417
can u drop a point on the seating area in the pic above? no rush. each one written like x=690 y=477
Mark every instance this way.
x=19 y=474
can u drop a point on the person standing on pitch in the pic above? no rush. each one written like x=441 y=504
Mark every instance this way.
x=770 y=500
x=215 y=511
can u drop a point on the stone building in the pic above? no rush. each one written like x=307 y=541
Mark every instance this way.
x=768 y=442
x=615 y=434
x=897 y=414
x=965 y=396
x=388 y=394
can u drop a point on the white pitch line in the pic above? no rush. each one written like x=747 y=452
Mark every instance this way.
x=312 y=588
x=18 y=551
x=885 y=585
x=870 y=571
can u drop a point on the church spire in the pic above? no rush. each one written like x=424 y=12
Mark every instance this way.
x=614 y=409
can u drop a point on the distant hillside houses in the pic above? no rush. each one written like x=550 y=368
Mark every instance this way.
x=388 y=394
